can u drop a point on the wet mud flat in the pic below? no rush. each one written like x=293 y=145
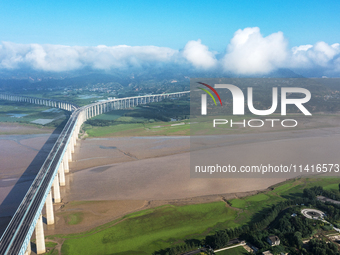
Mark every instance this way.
x=21 y=158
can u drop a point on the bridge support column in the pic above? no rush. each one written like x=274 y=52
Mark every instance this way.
x=65 y=160
x=28 y=250
x=75 y=136
x=49 y=209
x=69 y=151
x=56 y=189
x=62 y=174
x=39 y=235
x=72 y=141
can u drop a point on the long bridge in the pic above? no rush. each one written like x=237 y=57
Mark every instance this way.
x=45 y=188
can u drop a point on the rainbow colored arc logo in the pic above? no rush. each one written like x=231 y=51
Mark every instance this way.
x=209 y=93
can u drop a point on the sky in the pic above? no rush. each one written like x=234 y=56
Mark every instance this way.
x=172 y=28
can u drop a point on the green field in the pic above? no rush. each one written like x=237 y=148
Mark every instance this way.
x=234 y=251
x=20 y=112
x=146 y=231
x=131 y=128
x=334 y=186
x=74 y=218
x=145 y=120
x=150 y=230
x=50 y=246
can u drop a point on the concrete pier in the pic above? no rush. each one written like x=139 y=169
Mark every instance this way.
x=49 y=209
x=61 y=174
x=39 y=235
x=69 y=151
x=65 y=160
x=56 y=189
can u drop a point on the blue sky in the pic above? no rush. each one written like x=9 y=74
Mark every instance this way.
x=165 y=23
x=244 y=37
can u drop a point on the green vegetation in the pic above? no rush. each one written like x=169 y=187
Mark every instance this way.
x=52 y=252
x=139 y=129
x=150 y=230
x=24 y=113
x=333 y=186
x=156 y=229
x=51 y=248
x=50 y=244
x=74 y=218
x=144 y=120
x=257 y=198
x=234 y=251
x=321 y=247
x=83 y=89
x=238 y=203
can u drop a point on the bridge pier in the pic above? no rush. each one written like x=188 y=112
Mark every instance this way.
x=69 y=152
x=61 y=174
x=56 y=189
x=39 y=235
x=65 y=160
x=49 y=209
x=71 y=145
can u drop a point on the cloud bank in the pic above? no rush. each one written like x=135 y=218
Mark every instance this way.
x=249 y=52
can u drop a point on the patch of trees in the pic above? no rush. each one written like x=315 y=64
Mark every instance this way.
x=274 y=211
x=179 y=108
x=299 y=223
x=332 y=210
x=320 y=247
x=161 y=111
x=312 y=192
x=100 y=123
x=148 y=115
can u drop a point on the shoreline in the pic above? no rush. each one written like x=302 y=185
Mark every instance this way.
x=97 y=206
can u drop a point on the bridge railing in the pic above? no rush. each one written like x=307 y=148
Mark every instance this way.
x=41 y=101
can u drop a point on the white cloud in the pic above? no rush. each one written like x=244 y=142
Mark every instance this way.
x=310 y=56
x=11 y=56
x=63 y=58
x=297 y=49
x=251 y=53
x=199 y=55
x=248 y=52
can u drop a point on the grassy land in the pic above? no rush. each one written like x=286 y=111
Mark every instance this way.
x=125 y=125
x=150 y=230
x=234 y=251
x=144 y=120
x=51 y=248
x=139 y=129
x=74 y=218
x=24 y=113
x=147 y=231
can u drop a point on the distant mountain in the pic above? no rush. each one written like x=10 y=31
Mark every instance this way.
x=32 y=79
